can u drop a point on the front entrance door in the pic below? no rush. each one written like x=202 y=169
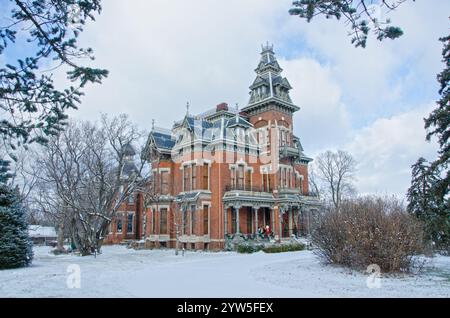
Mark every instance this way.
x=285 y=225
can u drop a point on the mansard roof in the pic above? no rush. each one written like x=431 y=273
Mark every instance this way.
x=128 y=150
x=129 y=168
x=196 y=123
x=278 y=80
x=162 y=140
x=259 y=81
x=238 y=121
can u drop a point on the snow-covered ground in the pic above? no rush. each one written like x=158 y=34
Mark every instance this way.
x=121 y=272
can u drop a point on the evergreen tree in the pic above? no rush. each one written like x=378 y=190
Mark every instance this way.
x=360 y=15
x=427 y=203
x=15 y=243
x=438 y=125
x=31 y=107
x=4 y=171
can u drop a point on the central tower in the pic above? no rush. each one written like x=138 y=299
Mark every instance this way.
x=270 y=90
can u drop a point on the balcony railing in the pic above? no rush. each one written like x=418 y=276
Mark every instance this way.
x=297 y=191
x=287 y=151
x=238 y=187
x=263 y=189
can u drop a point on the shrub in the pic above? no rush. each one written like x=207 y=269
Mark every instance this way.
x=252 y=248
x=368 y=231
x=284 y=248
x=248 y=248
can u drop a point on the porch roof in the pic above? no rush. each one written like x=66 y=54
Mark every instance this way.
x=247 y=198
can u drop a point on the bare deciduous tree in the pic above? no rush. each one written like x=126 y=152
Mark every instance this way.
x=86 y=174
x=336 y=171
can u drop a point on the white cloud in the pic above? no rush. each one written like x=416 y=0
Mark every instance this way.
x=162 y=54
x=321 y=106
x=377 y=80
x=387 y=148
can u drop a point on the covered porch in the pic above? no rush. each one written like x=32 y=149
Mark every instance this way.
x=286 y=216
x=247 y=219
x=245 y=213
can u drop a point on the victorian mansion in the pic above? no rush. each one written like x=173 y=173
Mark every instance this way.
x=225 y=173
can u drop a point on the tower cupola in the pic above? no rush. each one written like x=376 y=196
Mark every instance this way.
x=269 y=86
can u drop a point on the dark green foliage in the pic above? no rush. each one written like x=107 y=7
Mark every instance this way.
x=248 y=248
x=284 y=248
x=15 y=244
x=428 y=195
x=4 y=171
x=428 y=202
x=438 y=123
x=359 y=14
x=31 y=107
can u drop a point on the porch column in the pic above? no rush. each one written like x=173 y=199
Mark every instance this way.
x=256 y=208
x=225 y=222
x=290 y=215
x=238 y=230
x=273 y=219
x=308 y=216
x=299 y=221
x=280 y=225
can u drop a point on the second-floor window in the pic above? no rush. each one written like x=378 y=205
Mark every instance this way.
x=240 y=177
x=266 y=182
x=194 y=177
x=186 y=180
x=164 y=182
x=248 y=180
x=233 y=177
x=205 y=181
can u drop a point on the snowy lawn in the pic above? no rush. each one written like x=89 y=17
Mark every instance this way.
x=121 y=272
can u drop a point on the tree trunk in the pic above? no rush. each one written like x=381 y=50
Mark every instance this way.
x=60 y=244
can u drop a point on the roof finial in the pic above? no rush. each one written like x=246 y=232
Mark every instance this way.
x=153 y=124
x=187 y=109
x=237 y=113
x=267 y=47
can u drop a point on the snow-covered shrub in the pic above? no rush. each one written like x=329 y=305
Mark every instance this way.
x=369 y=230
x=15 y=243
x=246 y=248
x=284 y=248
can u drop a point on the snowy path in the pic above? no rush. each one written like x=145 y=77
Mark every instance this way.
x=120 y=272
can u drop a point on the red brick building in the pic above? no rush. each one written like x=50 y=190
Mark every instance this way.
x=225 y=173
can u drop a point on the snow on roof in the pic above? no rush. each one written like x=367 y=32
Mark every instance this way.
x=39 y=230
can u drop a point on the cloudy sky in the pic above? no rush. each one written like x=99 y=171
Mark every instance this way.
x=371 y=101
